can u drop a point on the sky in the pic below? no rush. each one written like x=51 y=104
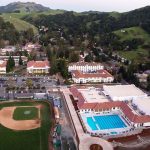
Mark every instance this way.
x=86 y=5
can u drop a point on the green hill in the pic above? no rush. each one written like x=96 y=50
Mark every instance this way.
x=19 y=24
x=132 y=33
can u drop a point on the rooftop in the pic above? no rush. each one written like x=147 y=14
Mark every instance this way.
x=3 y=64
x=92 y=95
x=97 y=74
x=143 y=105
x=123 y=106
x=38 y=64
x=123 y=90
x=83 y=103
x=85 y=63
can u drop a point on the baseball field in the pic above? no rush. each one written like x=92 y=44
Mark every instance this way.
x=25 y=125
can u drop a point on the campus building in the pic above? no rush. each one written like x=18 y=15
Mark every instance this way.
x=3 y=67
x=104 y=116
x=7 y=49
x=31 y=46
x=92 y=77
x=16 y=59
x=85 y=66
x=38 y=67
x=123 y=92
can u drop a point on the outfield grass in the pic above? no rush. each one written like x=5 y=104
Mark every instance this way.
x=36 y=139
x=20 y=113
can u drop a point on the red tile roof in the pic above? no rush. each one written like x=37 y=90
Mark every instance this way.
x=98 y=74
x=38 y=64
x=109 y=105
x=3 y=64
x=123 y=106
x=85 y=63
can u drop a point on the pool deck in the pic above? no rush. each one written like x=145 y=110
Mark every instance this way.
x=85 y=139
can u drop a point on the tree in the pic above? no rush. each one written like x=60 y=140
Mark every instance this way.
x=8 y=68
x=49 y=53
x=2 y=44
x=74 y=57
x=53 y=69
x=29 y=83
x=29 y=34
x=148 y=83
x=62 y=68
x=20 y=61
x=88 y=58
x=11 y=83
x=10 y=64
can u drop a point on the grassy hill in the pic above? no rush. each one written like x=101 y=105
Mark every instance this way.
x=19 y=24
x=129 y=34
x=133 y=32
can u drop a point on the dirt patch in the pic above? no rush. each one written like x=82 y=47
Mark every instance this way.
x=6 y=119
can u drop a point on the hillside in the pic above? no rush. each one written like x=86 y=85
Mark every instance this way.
x=19 y=24
x=23 y=7
x=133 y=32
x=14 y=12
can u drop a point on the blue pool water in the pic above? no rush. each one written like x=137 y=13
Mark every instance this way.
x=105 y=122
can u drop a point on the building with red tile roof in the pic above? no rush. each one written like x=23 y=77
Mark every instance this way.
x=38 y=67
x=132 y=117
x=29 y=47
x=3 y=67
x=16 y=59
x=85 y=77
x=85 y=66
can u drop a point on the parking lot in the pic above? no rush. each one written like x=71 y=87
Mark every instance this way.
x=25 y=85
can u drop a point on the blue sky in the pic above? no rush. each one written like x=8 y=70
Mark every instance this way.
x=86 y=5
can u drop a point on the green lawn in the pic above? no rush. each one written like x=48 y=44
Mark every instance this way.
x=25 y=113
x=36 y=139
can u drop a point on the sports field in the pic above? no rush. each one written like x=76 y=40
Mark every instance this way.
x=31 y=139
x=25 y=113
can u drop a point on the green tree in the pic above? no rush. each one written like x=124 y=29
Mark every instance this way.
x=8 y=68
x=62 y=68
x=74 y=57
x=20 y=61
x=148 y=83
x=29 y=83
x=53 y=63
x=10 y=64
x=88 y=58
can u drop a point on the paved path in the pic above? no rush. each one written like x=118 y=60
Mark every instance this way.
x=85 y=139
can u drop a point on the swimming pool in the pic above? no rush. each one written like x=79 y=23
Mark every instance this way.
x=105 y=122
